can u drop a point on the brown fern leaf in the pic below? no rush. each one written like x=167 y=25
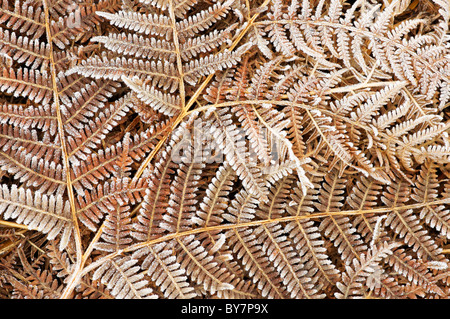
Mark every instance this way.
x=224 y=149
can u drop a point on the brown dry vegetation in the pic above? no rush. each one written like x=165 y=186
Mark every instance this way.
x=224 y=149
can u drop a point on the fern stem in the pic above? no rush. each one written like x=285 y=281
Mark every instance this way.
x=389 y=138
x=185 y=110
x=381 y=210
x=64 y=155
x=178 y=54
x=365 y=33
x=359 y=86
x=13 y=225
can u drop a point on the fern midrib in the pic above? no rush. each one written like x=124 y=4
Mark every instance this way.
x=21 y=17
x=210 y=212
x=398 y=212
x=131 y=47
x=286 y=262
x=256 y=223
x=65 y=157
x=185 y=111
x=325 y=139
x=237 y=154
x=342 y=232
x=155 y=199
x=184 y=107
x=411 y=232
x=296 y=128
x=24 y=141
x=199 y=265
x=128 y=282
x=168 y=273
x=118 y=232
x=81 y=108
x=67 y=86
x=187 y=180
x=216 y=198
x=40 y=277
x=178 y=55
x=312 y=250
x=22 y=49
x=93 y=135
x=191 y=26
x=27 y=117
x=108 y=196
x=307 y=108
x=39 y=211
x=26 y=83
x=419 y=278
x=132 y=70
x=279 y=220
x=29 y=170
x=114 y=158
x=355 y=30
x=362 y=205
x=262 y=270
x=278 y=190
x=254 y=131
x=360 y=270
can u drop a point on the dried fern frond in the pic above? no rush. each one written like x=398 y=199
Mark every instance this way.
x=224 y=149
